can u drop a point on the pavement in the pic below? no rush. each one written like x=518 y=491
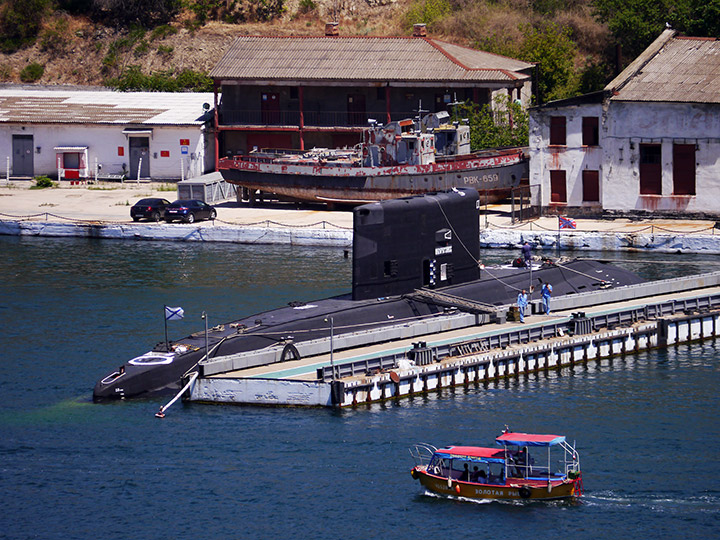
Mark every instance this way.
x=109 y=203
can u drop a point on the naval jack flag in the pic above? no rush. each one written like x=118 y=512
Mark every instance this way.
x=566 y=223
x=171 y=314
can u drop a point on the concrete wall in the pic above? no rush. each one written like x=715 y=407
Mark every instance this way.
x=103 y=144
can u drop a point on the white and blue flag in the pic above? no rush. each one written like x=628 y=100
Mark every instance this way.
x=173 y=313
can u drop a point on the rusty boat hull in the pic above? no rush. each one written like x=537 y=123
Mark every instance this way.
x=493 y=175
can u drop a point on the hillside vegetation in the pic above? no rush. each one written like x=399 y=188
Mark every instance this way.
x=172 y=44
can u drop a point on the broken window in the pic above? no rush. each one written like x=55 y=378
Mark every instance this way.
x=650 y=169
x=590 y=131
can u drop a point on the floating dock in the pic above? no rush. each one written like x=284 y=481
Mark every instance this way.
x=407 y=360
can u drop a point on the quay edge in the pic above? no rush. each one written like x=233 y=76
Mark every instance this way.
x=511 y=351
x=660 y=242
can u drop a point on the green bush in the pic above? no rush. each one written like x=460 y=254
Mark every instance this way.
x=133 y=79
x=32 y=72
x=43 y=182
x=427 y=12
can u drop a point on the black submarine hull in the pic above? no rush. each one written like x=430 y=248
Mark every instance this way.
x=297 y=322
x=401 y=246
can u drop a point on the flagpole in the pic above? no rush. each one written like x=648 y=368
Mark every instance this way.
x=167 y=343
x=557 y=244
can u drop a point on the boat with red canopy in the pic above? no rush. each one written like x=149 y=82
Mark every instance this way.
x=520 y=469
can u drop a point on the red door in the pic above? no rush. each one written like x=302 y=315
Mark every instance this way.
x=270 y=108
x=356 y=110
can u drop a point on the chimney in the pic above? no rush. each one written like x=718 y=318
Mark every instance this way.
x=331 y=29
x=419 y=30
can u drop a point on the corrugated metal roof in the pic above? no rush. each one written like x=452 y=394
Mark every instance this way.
x=361 y=59
x=672 y=69
x=24 y=105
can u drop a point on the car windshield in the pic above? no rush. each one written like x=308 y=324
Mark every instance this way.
x=182 y=203
x=145 y=202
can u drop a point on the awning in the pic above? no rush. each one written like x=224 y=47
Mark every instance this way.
x=137 y=131
x=529 y=439
x=70 y=148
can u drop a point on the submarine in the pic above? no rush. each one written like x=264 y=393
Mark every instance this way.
x=414 y=259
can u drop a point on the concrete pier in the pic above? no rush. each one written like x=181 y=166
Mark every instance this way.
x=681 y=310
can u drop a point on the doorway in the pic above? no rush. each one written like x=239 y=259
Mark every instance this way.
x=139 y=157
x=22 y=149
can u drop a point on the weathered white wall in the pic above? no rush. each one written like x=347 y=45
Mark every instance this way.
x=103 y=143
x=623 y=127
x=572 y=158
x=627 y=125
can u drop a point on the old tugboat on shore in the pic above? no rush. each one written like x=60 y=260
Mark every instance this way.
x=515 y=472
x=400 y=159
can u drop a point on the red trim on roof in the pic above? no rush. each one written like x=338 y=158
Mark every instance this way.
x=690 y=38
x=530 y=437
x=473 y=451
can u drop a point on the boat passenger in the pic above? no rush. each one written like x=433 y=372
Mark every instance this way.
x=465 y=476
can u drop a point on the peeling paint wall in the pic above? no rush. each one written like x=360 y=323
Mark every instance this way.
x=624 y=126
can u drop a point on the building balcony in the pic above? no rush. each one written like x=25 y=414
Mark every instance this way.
x=311 y=119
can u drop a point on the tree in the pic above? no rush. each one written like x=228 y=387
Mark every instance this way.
x=504 y=124
x=636 y=23
x=554 y=51
x=20 y=22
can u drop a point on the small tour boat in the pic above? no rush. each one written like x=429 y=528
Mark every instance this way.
x=518 y=470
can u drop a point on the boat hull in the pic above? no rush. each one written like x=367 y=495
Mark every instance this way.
x=492 y=176
x=513 y=489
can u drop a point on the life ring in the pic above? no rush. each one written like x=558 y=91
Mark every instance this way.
x=525 y=492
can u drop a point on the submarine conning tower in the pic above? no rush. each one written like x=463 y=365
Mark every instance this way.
x=429 y=240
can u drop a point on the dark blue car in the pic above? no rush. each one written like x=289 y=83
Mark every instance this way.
x=152 y=209
x=189 y=211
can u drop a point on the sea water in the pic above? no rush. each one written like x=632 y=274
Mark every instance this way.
x=646 y=425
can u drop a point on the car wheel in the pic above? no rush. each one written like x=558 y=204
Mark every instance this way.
x=169 y=220
x=213 y=214
x=155 y=216
x=135 y=218
x=190 y=218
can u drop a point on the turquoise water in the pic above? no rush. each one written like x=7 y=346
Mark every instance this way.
x=71 y=309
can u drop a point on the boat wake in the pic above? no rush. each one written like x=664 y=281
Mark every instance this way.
x=709 y=502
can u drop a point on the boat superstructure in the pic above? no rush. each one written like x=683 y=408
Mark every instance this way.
x=400 y=159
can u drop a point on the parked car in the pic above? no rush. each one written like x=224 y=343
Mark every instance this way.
x=152 y=209
x=189 y=211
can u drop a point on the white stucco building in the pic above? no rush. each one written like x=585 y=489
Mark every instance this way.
x=649 y=142
x=71 y=134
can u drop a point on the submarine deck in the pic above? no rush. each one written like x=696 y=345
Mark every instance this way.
x=306 y=368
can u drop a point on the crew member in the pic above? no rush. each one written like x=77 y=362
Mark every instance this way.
x=526 y=254
x=522 y=302
x=546 y=293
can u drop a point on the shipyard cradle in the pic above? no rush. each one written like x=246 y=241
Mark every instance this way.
x=400 y=159
x=414 y=260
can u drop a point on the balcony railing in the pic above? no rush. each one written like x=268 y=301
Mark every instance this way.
x=235 y=117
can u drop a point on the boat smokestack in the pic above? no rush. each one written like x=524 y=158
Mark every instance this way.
x=419 y=30
x=332 y=29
